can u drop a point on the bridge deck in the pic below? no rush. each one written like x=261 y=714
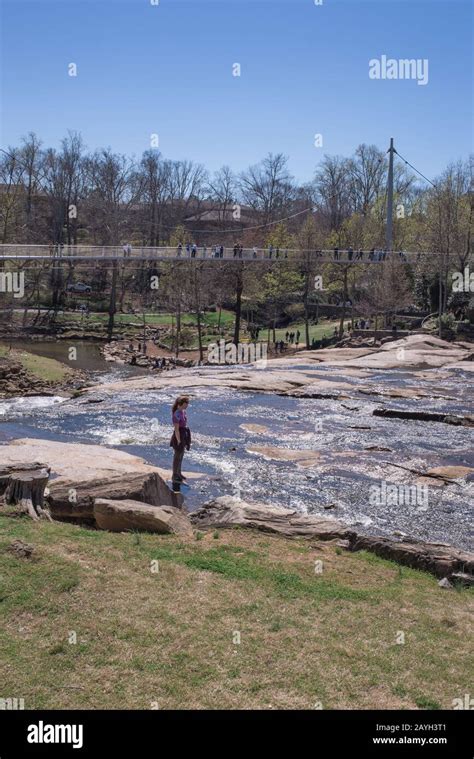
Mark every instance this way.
x=116 y=253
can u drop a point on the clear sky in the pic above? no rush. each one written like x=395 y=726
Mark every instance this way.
x=166 y=69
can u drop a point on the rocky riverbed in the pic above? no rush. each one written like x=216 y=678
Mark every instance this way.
x=115 y=491
x=17 y=381
x=379 y=440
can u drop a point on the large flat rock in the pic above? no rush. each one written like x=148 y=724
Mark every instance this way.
x=75 y=460
x=440 y=559
x=228 y=511
x=120 y=516
x=73 y=501
x=286 y=377
x=82 y=473
x=305 y=457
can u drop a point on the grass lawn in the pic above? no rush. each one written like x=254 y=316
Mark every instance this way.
x=209 y=318
x=169 y=638
x=316 y=331
x=46 y=369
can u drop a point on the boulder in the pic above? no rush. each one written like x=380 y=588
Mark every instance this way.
x=74 y=500
x=119 y=516
x=228 y=511
x=462 y=578
x=20 y=549
x=305 y=457
x=82 y=473
x=440 y=559
x=444 y=583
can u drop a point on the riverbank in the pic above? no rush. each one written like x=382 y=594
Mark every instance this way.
x=110 y=489
x=386 y=451
x=229 y=619
x=300 y=373
x=252 y=606
x=23 y=373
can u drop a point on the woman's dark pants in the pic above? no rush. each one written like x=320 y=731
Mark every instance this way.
x=177 y=462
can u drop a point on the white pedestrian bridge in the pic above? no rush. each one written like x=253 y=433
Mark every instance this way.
x=211 y=253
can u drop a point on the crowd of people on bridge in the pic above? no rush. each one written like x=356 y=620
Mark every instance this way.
x=274 y=253
x=193 y=250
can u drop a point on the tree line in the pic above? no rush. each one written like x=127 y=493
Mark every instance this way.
x=72 y=196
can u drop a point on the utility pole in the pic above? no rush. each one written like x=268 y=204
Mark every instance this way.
x=389 y=228
x=112 y=302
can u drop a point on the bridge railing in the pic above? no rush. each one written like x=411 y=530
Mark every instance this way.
x=115 y=252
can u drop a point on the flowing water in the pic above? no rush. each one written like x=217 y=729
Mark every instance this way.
x=338 y=483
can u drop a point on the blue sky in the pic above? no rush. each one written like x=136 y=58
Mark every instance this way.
x=167 y=69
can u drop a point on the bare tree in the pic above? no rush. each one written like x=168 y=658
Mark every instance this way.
x=11 y=175
x=332 y=190
x=73 y=168
x=268 y=187
x=222 y=192
x=387 y=292
x=154 y=182
x=114 y=188
x=367 y=172
x=186 y=185
x=307 y=241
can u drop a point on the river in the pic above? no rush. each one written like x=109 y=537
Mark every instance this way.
x=343 y=433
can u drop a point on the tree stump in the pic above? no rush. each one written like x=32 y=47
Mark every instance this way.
x=24 y=485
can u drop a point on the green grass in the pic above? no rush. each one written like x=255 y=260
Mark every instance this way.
x=316 y=331
x=46 y=369
x=210 y=319
x=242 y=622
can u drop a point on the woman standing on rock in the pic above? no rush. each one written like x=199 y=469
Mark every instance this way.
x=181 y=437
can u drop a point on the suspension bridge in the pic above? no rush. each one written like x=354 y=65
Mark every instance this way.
x=70 y=253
